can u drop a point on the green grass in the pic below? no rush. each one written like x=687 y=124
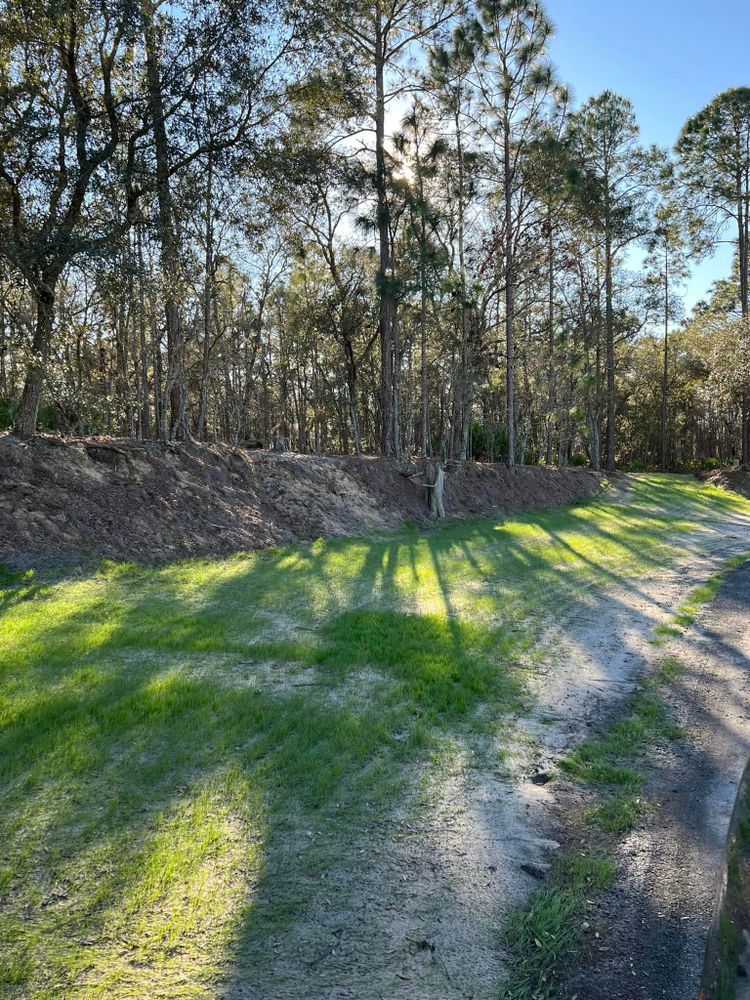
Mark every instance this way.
x=187 y=751
x=720 y=981
x=607 y=759
x=546 y=936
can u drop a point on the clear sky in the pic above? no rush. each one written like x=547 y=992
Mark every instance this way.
x=670 y=57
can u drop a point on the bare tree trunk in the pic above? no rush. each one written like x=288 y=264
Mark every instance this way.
x=44 y=297
x=742 y=248
x=467 y=360
x=552 y=388
x=434 y=487
x=176 y=384
x=385 y=277
x=396 y=412
x=144 y=420
x=510 y=390
x=207 y=300
x=610 y=337
x=665 y=372
x=351 y=384
x=5 y=339
x=423 y=352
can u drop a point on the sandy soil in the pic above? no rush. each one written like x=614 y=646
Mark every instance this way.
x=417 y=906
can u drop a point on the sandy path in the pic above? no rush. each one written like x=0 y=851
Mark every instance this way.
x=417 y=906
x=654 y=925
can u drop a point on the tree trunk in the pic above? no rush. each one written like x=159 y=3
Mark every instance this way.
x=144 y=420
x=742 y=250
x=176 y=385
x=423 y=351
x=609 y=356
x=351 y=385
x=434 y=487
x=385 y=278
x=509 y=300
x=207 y=301
x=44 y=297
x=552 y=387
x=665 y=372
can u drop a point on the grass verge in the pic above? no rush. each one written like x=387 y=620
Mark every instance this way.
x=546 y=935
x=187 y=751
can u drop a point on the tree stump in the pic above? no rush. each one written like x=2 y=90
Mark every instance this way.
x=434 y=485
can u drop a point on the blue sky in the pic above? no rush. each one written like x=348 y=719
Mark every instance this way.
x=670 y=57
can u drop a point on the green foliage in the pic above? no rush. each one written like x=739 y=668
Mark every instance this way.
x=606 y=759
x=489 y=443
x=8 y=412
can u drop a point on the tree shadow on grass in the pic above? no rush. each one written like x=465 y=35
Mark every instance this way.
x=128 y=700
x=106 y=742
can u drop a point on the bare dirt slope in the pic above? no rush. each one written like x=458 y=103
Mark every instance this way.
x=62 y=500
x=731 y=479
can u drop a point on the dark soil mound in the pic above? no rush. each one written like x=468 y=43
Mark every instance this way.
x=67 y=500
x=730 y=479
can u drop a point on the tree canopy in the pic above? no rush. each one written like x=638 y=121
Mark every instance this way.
x=359 y=227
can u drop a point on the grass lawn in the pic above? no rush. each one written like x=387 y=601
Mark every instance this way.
x=184 y=748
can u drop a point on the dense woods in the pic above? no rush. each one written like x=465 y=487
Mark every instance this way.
x=360 y=227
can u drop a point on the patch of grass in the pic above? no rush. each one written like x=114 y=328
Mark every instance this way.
x=607 y=759
x=610 y=759
x=545 y=936
x=668 y=670
x=617 y=815
x=187 y=751
x=730 y=946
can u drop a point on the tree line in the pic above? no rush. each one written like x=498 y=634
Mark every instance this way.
x=359 y=227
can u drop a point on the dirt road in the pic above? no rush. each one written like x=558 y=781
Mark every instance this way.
x=653 y=926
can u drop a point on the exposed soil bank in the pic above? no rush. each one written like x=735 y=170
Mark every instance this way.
x=63 y=500
x=730 y=479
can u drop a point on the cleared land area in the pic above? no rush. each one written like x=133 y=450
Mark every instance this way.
x=303 y=772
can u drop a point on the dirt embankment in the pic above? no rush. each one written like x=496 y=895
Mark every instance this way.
x=63 y=500
x=730 y=479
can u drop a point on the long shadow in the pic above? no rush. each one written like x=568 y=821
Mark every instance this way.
x=664 y=909
x=114 y=717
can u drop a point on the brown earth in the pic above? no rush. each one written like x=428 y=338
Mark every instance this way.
x=67 y=500
x=730 y=479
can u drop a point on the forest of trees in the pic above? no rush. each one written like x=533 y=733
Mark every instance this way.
x=359 y=226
